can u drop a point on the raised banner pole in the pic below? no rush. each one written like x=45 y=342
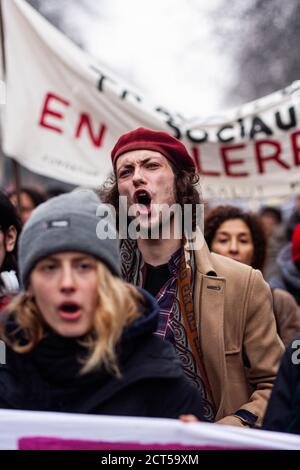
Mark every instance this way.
x=15 y=164
x=3 y=64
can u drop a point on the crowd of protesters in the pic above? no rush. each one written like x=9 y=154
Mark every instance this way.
x=150 y=326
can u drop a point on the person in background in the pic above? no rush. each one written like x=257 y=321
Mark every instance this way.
x=270 y=218
x=283 y=411
x=275 y=232
x=78 y=338
x=10 y=228
x=294 y=219
x=235 y=233
x=216 y=313
x=29 y=199
x=288 y=262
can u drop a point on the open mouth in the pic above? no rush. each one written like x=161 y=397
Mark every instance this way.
x=69 y=310
x=143 y=198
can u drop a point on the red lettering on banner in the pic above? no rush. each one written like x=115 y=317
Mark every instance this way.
x=261 y=159
x=48 y=111
x=296 y=147
x=196 y=154
x=85 y=120
x=228 y=163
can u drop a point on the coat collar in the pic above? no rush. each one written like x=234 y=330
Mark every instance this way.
x=204 y=260
x=209 y=298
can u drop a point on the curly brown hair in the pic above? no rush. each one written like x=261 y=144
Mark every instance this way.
x=220 y=214
x=186 y=189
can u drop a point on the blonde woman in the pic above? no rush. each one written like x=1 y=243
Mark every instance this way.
x=78 y=338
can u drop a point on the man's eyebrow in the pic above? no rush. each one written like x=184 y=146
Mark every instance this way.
x=142 y=161
x=152 y=158
x=129 y=165
x=147 y=159
x=126 y=165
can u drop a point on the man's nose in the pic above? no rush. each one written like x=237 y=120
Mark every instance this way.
x=138 y=176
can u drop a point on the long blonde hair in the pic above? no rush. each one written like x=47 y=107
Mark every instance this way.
x=119 y=304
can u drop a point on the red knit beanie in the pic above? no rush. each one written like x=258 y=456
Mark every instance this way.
x=147 y=139
x=296 y=244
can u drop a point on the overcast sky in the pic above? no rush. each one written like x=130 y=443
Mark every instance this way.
x=164 y=48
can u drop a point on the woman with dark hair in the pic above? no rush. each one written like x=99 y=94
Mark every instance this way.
x=235 y=233
x=10 y=228
x=249 y=234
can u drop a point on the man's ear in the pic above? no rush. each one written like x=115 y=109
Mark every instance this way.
x=10 y=239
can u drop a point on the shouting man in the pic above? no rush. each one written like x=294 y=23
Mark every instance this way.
x=216 y=311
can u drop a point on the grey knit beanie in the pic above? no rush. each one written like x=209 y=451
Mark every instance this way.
x=70 y=222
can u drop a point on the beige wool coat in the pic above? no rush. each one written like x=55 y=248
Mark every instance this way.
x=240 y=348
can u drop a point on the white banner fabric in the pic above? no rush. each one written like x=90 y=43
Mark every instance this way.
x=64 y=112
x=15 y=425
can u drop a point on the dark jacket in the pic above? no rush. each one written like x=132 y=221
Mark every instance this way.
x=287 y=315
x=283 y=412
x=289 y=277
x=152 y=382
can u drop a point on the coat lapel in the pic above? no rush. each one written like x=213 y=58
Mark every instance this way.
x=209 y=296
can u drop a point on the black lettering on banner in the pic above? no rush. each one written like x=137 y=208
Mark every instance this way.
x=287 y=125
x=170 y=121
x=102 y=78
x=258 y=126
x=130 y=93
x=197 y=139
x=242 y=127
x=220 y=132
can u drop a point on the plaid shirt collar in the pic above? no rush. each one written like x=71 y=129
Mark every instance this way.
x=134 y=271
x=167 y=299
